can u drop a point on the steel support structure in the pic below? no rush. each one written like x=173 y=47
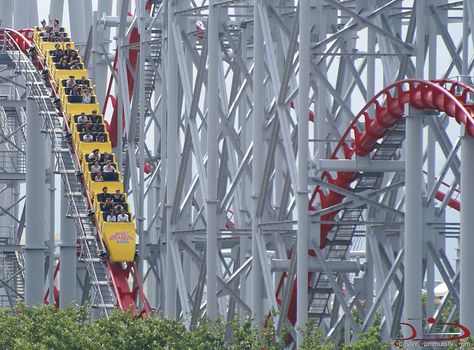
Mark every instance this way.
x=217 y=105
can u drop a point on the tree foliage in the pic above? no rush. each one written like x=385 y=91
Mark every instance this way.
x=47 y=328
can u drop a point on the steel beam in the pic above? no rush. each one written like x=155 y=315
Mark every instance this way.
x=413 y=220
x=35 y=225
x=67 y=255
x=258 y=121
x=467 y=231
x=302 y=184
x=76 y=18
x=172 y=159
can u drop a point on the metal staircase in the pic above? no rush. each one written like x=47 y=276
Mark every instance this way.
x=11 y=274
x=340 y=237
x=100 y=295
x=151 y=64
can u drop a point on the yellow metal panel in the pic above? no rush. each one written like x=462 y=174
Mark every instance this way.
x=119 y=238
x=65 y=73
x=46 y=46
x=78 y=108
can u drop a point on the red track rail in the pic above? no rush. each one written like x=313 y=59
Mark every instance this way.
x=119 y=274
x=443 y=95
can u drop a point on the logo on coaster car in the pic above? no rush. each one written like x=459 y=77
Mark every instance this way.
x=120 y=237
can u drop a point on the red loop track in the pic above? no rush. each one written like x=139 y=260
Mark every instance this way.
x=450 y=97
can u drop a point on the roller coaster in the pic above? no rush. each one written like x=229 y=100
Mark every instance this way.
x=228 y=128
x=115 y=239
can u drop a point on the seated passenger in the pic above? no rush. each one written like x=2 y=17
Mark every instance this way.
x=95 y=167
x=71 y=81
x=63 y=64
x=58 y=56
x=109 y=205
x=61 y=38
x=118 y=197
x=102 y=137
x=98 y=177
x=109 y=167
x=55 y=24
x=88 y=137
x=118 y=208
x=95 y=118
x=43 y=24
x=57 y=47
x=86 y=96
x=76 y=90
x=68 y=50
x=111 y=217
x=51 y=38
x=46 y=32
x=106 y=157
x=75 y=65
x=95 y=155
x=82 y=118
x=122 y=217
x=73 y=56
x=102 y=197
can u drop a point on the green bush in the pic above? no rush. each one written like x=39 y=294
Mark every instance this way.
x=47 y=328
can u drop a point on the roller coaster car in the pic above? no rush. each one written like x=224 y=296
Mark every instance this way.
x=119 y=238
x=64 y=92
x=60 y=74
x=77 y=108
x=87 y=147
x=37 y=30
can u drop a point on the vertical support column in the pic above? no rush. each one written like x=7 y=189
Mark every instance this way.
x=20 y=21
x=171 y=158
x=6 y=13
x=413 y=237
x=76 y=19
x=35 y=225
x=467 y=231
x=141 y=141
x=302 y=191
x=369 y=275
x=431 y=174
x=99 y=60
x=51 y=203
x=56 y=9
x=212 y=158
x=33 y=13
x=465 y=42
x=87 y=16
x=153 y=198
x=243 y=109
x=67 y=255
x=258 y=119
x=413 y=220
x=320 y=108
